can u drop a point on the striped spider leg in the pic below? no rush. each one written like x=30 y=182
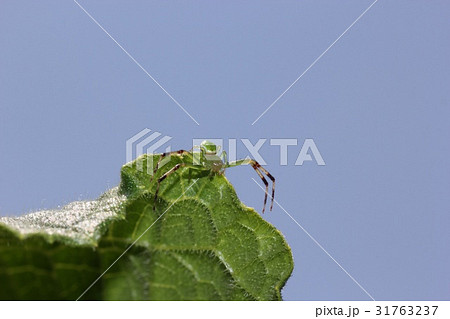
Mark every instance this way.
x=259 y=170
x=169 y=172
x=164 y=155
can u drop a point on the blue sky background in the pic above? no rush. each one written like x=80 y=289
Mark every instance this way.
x=376 y=104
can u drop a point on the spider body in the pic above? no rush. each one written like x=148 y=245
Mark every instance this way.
x=210 y=158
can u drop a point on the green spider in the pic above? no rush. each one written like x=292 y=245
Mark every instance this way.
x=208 y=159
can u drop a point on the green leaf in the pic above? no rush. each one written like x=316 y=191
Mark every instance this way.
x=200 y=243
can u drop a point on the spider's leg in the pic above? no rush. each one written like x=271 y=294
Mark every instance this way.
x=163 y=177
x=164 y=155
x=224 y=157
x=256 y=166
x=273 y=182
x=265 y=183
